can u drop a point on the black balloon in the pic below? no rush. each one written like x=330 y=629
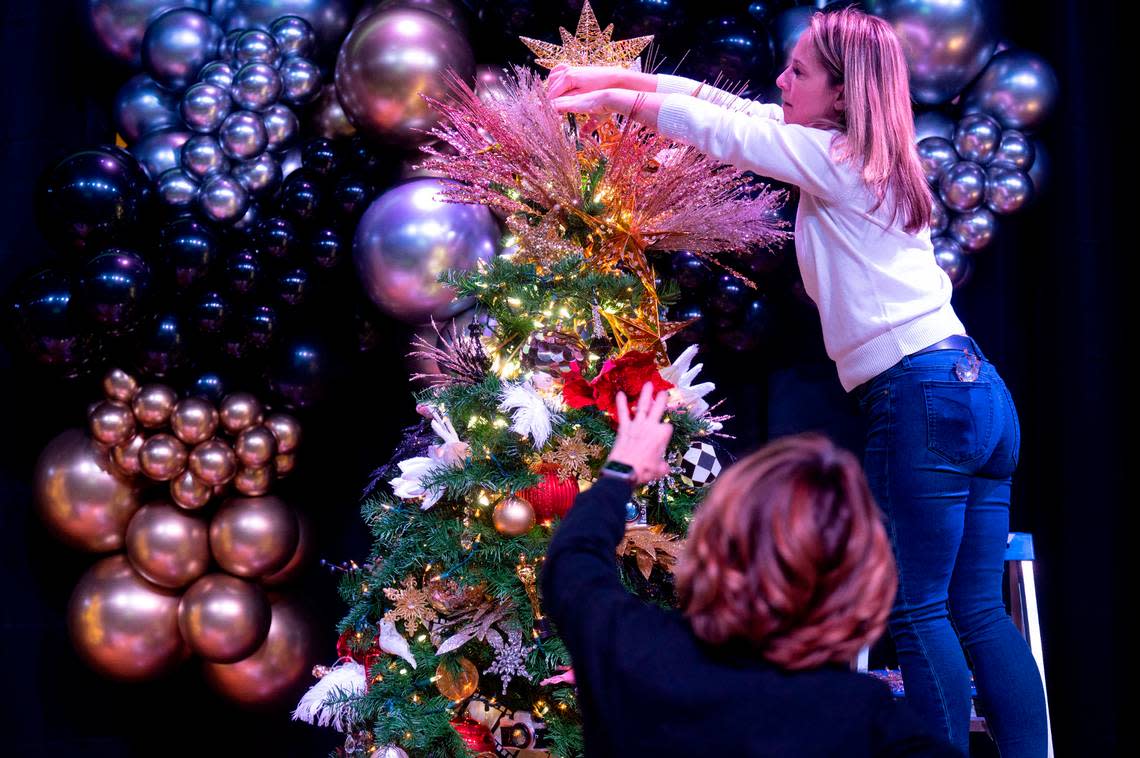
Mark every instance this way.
x=188 y=248
x=209 y=386
x=320 y=155
x=46 y=322
x=693 y=333
x=690 y=271
x=729 y=294
x=113 y=287
x=297 y=373
x=277 y=238
x=664 y=19
x=252 y=333
x=243 y=272
x=301 y=195
x=293 y=286
x=209 y=313
x=350 y=198
x=327 y=248
x=162 y=347
x=731 y=47
x=751 y=329
x=91 y=198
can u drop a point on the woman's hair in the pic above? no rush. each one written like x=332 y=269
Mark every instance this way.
x=788 y=555
x=863 y=53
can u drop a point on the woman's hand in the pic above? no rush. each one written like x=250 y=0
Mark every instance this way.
x=639 y=106
x=643 y=437
x=565 y=79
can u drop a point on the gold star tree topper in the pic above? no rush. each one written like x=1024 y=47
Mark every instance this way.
x=590 y=45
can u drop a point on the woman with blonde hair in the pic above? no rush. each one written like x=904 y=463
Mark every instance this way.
x=785 y=575
x=943 y=434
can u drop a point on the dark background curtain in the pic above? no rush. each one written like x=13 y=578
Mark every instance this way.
x=1044 y=303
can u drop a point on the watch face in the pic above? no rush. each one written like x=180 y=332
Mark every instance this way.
x=618 y=468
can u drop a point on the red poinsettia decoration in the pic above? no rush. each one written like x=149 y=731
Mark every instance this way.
x=627 y=374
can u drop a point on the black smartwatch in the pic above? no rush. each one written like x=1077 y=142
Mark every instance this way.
x=618 y=470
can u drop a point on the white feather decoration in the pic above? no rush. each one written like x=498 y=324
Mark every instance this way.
x=531 y=412
x=344 y=679
x=684 y=393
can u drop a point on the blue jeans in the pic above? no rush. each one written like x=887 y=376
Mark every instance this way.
x=939 y=459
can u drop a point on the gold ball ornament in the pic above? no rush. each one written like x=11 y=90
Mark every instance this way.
x=254 y=536
x=125 y=455
x=457 y=684
x=253 y=481
x=255 y=446
x=213 y=461
x=167 y=545
x=194 y=420
x=284 y=463
x=111 y=423
x=120 y=386
x=286 y=429
x=240 y=411
x=190 y=492
x=513 y=516
x=223 y=618
x=162 y=457
x=153 y=405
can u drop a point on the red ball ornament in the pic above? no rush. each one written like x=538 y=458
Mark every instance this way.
x=477 y=737
x=352 y=644
x=551 y=497
x=371 y=658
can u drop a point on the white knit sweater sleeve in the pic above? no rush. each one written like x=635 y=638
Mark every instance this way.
x=668 y=84
x=791 y=153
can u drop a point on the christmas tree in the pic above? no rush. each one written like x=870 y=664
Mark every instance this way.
x=445 y=649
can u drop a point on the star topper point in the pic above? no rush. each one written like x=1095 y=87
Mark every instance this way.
x=589 y=46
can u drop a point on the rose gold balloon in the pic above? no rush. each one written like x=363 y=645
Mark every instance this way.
x=280 y=671
x=194 y=420
x=80 y=499
x=253 y=481
x=253 y=536
x=153 y=405
x=167 y=545
x=489 y=85
x=256 y=446
x=284 y=463
x=240 y=410
x=125 y=455
x=120 y=386
x=213 y=462
x=329 y=120
x=223 y=618
x=111 y=423
x=302 y=556
x=286 y=429
x=162 y=457
x=190 y=492
x=122 y=625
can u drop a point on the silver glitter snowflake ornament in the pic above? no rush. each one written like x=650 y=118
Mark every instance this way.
x=510 y=657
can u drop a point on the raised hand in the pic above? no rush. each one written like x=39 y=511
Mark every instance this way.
x=565 y=79
x=642 y=438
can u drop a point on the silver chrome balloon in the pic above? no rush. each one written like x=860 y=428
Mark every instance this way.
x=219 y=73
x=330 y=19
x=262 y=175
x=256 y=86
x=178 y=44
x=256 y=46
x=119 y=25
x=952 y=259
x=202 y=156
x=1015 y=150
x=977 y=137
x=1039 y=171
x=242 y=135
x=159 y=151
x=407 y=237
x=1008 y=189
x=939 y=218
x=281 y=126
x=177 y=189
x=1018 y=88
x=223 y=199
x=249 y=220
x=301 y=79
x=388 y=61
x=936 y=155
x=294 y=36
x=290 y=162
x=141 y=107
x=975 y=229
x=947 y=43
x=205 y=106
x=962 y=186
x=933 y=124
x=329 y=119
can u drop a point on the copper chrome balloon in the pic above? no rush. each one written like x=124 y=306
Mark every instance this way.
x=194 y=420
x=153 y=405
x=223 y=618
x=167 y=545
x=253 y=536
x=213 y=461
x=162 y=457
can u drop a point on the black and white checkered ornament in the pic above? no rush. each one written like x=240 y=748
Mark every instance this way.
x=699 y=465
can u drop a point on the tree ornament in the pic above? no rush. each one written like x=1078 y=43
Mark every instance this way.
x=699 y=465
x=513 y=516
x=552 y=352
x=510 y=657
x=457 y=683
x=476 y=737
x=412 y=606
x=590 y=45
x=553 y=496
x=572 y=456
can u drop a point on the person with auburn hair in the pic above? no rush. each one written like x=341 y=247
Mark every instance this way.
x=943 y=436
x=786 y=574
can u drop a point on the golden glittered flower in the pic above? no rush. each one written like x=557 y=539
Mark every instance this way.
x=589 y=46
x=650 y=546
x=412 y=606
x=572 y=456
